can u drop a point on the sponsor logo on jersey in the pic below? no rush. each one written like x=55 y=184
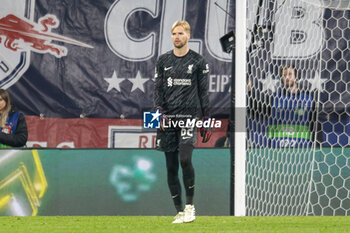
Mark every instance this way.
x=206 y=69
x=155 y=73
x=170 y=82
x=179 y=82
x=182 y=82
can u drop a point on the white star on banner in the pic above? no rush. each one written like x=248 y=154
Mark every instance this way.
x=269 y=83
x=114 y=82
x=316 y=82
x=138 y=82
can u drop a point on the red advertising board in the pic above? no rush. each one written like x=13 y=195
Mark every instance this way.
x=98 y=133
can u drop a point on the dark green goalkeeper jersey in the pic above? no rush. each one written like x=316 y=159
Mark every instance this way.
x=181 y=84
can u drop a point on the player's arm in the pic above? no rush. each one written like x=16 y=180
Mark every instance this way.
x=159 y=92
x=203 y=91
x=203 y=94
x=158 y=97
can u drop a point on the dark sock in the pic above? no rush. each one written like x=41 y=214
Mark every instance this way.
x=179 y=208
x=175 y=191
x=188 y=171
x=189 y=187
x=172 y=164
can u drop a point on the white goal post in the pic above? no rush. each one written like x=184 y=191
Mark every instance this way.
x=293 y=157
x=240 y=104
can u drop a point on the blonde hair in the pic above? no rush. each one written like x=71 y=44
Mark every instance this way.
x=182 y=23
x=4 y=114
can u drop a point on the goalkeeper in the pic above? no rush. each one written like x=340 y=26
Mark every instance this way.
x=181 y=92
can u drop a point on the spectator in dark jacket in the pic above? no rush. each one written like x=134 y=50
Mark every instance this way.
x=13 y=126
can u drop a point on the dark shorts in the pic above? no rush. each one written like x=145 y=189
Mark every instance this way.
x=170 y=139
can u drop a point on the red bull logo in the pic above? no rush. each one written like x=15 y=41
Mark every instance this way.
x=20 y=35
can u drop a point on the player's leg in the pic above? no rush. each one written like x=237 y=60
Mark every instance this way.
x=187 y=142
x=187 y=171
x=172 y=165
x=167 y=141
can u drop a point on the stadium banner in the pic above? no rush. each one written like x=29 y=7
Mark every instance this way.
x=96 y=58
x=288 y=34
x=102 y=133
x=50 y=182
x=73 y=59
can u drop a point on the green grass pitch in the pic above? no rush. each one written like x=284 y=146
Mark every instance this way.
x=163 y=224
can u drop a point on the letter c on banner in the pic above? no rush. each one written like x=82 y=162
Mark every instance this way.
x=116 y=33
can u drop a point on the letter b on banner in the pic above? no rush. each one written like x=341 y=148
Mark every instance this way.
x=297 y=31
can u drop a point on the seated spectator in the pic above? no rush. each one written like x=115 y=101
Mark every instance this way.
x=13 y=126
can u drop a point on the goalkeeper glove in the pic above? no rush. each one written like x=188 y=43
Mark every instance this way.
x=205 y=132
x=163 y=118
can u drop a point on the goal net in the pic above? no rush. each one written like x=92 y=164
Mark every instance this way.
x=298 y=81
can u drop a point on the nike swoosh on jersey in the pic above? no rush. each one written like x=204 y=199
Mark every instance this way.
x=168 y=68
